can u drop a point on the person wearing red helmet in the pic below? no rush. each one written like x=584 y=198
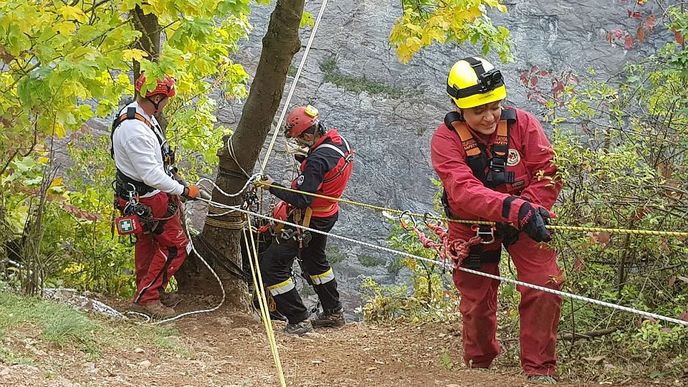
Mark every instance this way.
x=325 y=170
x=496 y=164
x=147 y=182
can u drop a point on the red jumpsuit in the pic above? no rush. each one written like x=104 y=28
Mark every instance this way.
x=531 y=159
x=140 y=149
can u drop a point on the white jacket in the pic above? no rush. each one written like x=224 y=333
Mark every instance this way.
x=138 y=155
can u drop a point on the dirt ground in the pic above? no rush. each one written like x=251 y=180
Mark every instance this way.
x=230 y=349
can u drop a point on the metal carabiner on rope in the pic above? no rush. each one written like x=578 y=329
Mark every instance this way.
x=404 y=224
x=436 y=219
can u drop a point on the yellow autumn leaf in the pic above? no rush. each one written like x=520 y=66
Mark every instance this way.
x=403 y=53
x=43 y=160
x=57 y=182
x=413 y=43
x=59 y=130
x=64 y=27
x=494 y=4
x=133 y=54
x=415 y=28
x=72 y=13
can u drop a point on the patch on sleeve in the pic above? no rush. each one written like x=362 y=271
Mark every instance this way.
x=514 y=158
x=299 y=180
x=518 y=184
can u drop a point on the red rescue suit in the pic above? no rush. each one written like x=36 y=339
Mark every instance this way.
x=529 y=166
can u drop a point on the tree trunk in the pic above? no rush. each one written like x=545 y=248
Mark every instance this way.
x=150 y=29
x=280 y=43
x=149 y=41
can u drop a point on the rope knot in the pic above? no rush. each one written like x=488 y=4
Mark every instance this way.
x=458 y=249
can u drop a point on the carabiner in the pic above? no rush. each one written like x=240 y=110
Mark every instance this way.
x=404 y=224
x=437 y=220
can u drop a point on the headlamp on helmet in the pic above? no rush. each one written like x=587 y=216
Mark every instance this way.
x=473 y=82
x=300 y=119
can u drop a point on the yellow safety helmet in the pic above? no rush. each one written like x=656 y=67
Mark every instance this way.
x=473 y=82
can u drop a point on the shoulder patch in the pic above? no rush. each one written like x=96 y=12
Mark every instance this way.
x=514 y=157
x=299 y=180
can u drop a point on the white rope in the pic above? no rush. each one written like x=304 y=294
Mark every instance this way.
x=250 y=181
x=496 y=277
x=193 y=248
x=293 y=87
x=232 y=154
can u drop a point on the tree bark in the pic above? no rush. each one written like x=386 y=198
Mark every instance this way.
x=150 y=42
x=280 y=43
x=150 y=36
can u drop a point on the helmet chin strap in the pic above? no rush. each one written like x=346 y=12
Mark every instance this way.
x=156 y=105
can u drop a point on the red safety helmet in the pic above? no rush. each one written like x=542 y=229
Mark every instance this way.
x=300 y=119
x=280 y=212
x=165 y=86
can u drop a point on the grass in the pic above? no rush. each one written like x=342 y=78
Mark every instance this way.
x=356 y=84
x=370 y=261
x=334 y=255
x=63 y=326
x=10 y=358
x=58 y=324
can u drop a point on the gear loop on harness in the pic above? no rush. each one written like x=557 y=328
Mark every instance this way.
x=484 y=232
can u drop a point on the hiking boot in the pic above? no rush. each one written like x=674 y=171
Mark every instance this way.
x=542 y=379
x=300 y=328
x=154 y=309
x=329 y=319
x=170 y=299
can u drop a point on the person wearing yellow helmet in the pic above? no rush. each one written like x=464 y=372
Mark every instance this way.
x=496 y=164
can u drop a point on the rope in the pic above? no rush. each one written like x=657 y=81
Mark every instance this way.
x=499 y=278
x=262 y=302
x=293 y=87
x=227 y=225
x=232 y=154
x=192 y=247
x=678 y=234
x=251 y=180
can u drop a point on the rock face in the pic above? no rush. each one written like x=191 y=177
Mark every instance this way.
x=388 y=111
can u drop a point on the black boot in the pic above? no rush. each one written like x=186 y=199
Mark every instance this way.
x=329 y=319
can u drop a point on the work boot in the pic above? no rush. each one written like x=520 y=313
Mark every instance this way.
x=154 y=309
x=170 y=299
x=329 y=319
x=300 y=328
x=542 y=379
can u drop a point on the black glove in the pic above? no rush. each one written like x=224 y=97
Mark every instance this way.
x=532 y=221
x=299 y=157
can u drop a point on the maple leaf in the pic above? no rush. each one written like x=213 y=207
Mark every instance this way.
x=650 y=22
x=601 y=237
x=628 y=42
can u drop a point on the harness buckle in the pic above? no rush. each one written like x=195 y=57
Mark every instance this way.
x=497 y=164
x=485 y=232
